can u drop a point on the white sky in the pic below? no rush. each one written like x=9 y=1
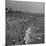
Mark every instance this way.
x=33 y=7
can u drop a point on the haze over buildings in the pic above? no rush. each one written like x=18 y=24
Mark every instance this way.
x=33 y=7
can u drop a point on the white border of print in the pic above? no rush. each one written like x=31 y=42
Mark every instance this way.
x=2 y=22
